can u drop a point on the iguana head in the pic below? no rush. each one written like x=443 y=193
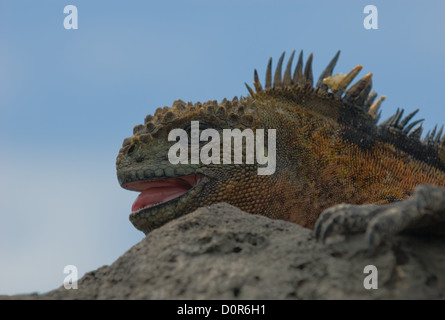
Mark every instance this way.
x=169 y=190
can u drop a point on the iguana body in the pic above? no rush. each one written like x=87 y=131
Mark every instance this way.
x=329 y=151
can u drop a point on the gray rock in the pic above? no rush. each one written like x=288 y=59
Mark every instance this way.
x=220 y=252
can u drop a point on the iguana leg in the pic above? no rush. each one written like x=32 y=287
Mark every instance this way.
x=424 y=212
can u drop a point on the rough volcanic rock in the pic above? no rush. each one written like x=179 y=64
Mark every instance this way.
x=220 y=252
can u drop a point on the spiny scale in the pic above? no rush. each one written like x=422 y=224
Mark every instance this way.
x=359 y=95
x=287 y=78
x=298 y=74
x=327 y=72
x=277 y=76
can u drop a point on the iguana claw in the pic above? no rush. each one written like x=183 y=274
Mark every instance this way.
x=423 y=213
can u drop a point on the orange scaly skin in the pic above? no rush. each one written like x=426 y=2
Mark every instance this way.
x=329 y=151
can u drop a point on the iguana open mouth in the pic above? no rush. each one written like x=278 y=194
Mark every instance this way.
x=156 y=192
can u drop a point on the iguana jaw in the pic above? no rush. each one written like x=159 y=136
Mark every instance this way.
x=161 y=199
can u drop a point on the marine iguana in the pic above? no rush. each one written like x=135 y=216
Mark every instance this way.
x=330 y=151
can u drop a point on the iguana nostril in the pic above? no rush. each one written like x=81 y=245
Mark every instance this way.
x=139 y=159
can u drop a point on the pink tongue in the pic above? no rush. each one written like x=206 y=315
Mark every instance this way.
x=156 y=195
x=163 y=190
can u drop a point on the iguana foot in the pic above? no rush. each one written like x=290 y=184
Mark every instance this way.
x=423 y=213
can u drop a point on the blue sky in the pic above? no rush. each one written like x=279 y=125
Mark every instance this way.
x=68 y=98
